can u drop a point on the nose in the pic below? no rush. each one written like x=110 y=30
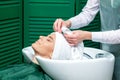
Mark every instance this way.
x=41 y=37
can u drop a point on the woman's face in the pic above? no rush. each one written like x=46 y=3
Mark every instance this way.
x=44 y=46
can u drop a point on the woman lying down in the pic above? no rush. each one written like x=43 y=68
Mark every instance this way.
x=55 y=46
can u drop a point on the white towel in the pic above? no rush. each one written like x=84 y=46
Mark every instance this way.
x=63 y=51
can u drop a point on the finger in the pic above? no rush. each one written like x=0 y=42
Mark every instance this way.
x=71 y=44
x=59 y=25
x=56 y=25
x=69 y=36
x=63 y=23
x=70 y=39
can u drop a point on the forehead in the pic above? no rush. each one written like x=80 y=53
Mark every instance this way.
x=52 y=35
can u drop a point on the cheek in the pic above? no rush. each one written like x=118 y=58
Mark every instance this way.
x=47 y=48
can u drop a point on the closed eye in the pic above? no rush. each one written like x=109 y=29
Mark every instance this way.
x=50 y=38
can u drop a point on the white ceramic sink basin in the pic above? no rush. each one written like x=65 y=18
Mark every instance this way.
x=98 y=66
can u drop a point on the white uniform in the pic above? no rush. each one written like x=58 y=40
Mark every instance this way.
x=86 y=16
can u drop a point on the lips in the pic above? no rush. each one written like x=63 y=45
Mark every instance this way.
x=38 y=42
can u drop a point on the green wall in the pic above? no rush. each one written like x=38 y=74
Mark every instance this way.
x=10 y=32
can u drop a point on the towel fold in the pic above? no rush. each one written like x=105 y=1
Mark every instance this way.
x=63 y=51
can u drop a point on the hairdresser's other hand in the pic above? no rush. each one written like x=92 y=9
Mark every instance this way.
x=78 y=36
x=59 y=23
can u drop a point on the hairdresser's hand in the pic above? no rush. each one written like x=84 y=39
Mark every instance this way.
x=77 y=36
x=59 y=23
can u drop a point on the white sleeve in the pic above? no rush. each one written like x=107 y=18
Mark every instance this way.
x=110 y=37
x=86 y=16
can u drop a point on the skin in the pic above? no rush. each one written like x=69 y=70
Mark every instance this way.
x=76 y=36
x=59 y=23
x=44 y=46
